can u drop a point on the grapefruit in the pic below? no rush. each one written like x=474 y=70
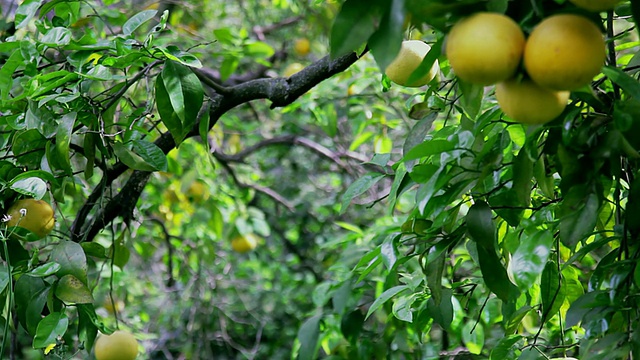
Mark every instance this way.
x=34 y=215
x=409 y=58
x=485 y=48
x=528 y=103
x=564 y=52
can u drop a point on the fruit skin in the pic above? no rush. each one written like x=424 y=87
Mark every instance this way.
x=411 y=54
x=121 y=345
x=596 y=5
x=301 y=47
x=485 y=48
x=292 y=69
x=564 y=52
x=39 y=218
x=198 y=192
x=528 y=103
x=244 y=243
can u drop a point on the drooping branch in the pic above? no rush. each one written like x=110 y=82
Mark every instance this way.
x=280 y=91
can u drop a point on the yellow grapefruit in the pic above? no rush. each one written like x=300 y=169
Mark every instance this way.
x=411 y=54
x=121 y=345
x=528 y=103
x=33 y=215
x=244 y=243
x=485 y=48
x=564 y=52
x=302 y=47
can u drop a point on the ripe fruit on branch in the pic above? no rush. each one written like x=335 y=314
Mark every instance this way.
x=409 y=58
x=244 y=243
x=121 y=345
x=485 y=48
x=301 y=47
x=38 y=218
x=564 y=52
x=596 y=5
x=528 y=103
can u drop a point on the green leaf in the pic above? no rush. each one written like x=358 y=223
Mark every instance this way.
x=401 y=308
x=57 y=36
x=308 y=336
x=384 y=297
x=473 y=336
x=71 y=290
x=632 y=213
x=121 y=252
x=428 y=148
x=179 y=97
x=471 y=100
x=480 y=225
x=87 y=328
x=580 y=221
x=259 y=49
x=584 y=305
x=522 y=174
x=131 y=159
x=31 y=186
x=72 y=260
x=137 y=20
x=50 y=329
x=514 y=320
x=442 y=313
x=151 y=154
x=25 y=290
x=551 y=290
x=94 y=249
x=389 y=250
x=352 y=27
x=529 y=260
x=25 y=12
x=494 y=274
x=351 y=324
x=629 y=84
x=385 y=42
x=63 y=139
x=545 y=183
x=435 y=269
x=45 y=270
x=357 y=188
x=505 y=349
x=417 y=136
x=34 y=309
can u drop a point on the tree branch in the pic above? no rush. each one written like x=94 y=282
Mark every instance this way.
x=280 y=91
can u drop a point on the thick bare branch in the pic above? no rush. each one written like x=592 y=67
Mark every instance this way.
x=280 y=91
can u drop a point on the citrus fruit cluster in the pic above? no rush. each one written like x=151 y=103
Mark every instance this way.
x=564 y=52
